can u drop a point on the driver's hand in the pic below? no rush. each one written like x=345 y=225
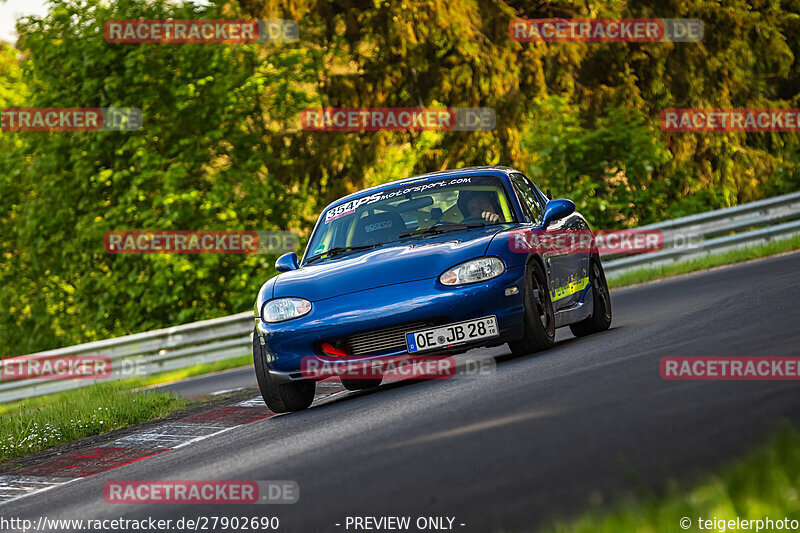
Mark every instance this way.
x=490 y=217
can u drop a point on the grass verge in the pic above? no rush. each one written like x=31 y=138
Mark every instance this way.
x=702 y=263
x=39 y=402
x=766 y=483
x=41 y=422
x=79 y=413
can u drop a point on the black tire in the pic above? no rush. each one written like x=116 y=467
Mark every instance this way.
x=361 y=384
x=601 y=303
x=540 y=323
x=280 y=397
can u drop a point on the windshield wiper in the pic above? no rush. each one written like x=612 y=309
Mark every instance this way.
x=440 y=228
x=336 y=250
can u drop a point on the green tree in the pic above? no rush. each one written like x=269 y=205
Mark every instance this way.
x=203 y=160
x=222 y=147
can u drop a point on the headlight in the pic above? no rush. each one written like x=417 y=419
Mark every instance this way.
x=473 y=271
x=285 y=309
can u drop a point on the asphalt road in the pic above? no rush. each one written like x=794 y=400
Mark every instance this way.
x=543 y=437
x=227 y=380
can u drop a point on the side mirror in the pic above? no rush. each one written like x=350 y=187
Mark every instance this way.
x=287 y=262
x=556 y=210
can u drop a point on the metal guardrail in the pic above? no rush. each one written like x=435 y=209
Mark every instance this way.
x=145 y=353
x=717 y=231
x=227 y=337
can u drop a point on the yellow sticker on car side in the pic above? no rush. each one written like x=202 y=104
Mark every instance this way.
x=569 y=289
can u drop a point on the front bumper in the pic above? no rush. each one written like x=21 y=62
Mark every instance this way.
x=288 y=343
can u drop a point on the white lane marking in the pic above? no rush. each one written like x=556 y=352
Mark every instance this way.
x=330 y=384
x=13 y=486
x=479 y=426
x=37 y=491
x=224 y=391
x=168 y=436
x=322 y=400
x=255 y=401
x=203 y=437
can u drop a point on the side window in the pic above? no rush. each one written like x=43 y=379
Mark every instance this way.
x=528 y=198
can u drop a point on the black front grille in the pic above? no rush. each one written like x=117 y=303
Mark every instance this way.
x=378 y=341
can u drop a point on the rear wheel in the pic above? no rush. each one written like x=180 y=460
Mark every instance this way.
x=360 y=384
x=601 y=304
x=540 y=323
x=280 y=397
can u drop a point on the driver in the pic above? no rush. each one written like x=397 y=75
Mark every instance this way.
x=479 y=204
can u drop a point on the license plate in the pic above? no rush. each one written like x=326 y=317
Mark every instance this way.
x=452 y=334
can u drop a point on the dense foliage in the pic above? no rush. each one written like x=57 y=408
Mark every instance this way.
x=221 y=147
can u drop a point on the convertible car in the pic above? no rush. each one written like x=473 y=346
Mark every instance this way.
x=424 y=265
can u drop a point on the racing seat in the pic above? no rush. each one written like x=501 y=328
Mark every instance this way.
x=380 y=227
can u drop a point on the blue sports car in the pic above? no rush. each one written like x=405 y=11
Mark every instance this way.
x=424 y=265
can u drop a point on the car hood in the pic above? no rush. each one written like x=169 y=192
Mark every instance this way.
x=410 y=260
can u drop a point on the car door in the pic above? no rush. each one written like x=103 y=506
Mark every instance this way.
x=565 y=270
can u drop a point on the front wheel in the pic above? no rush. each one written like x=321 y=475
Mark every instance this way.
x=280 y=397
x=601 y=303
x=540 y=323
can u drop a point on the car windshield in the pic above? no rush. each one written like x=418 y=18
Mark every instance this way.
x=410 y=209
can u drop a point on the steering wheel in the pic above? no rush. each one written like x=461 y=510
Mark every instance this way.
x=474 y=220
